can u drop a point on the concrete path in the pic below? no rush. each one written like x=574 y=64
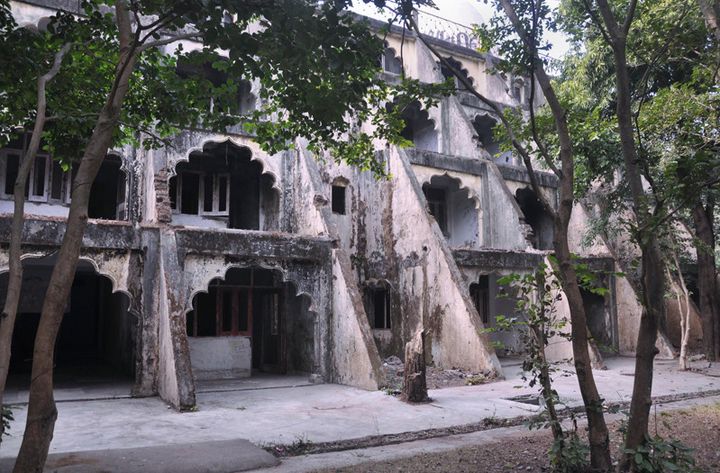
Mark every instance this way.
x=321 y=413
x=486 y=438
x=217 y=457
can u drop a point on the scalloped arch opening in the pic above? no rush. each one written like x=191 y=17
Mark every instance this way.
x=419 y=127
x=98 y=333
x=225 y=185
x=258 y=307
x=455 y=208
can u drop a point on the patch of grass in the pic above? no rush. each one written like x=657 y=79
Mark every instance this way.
x=476 y=379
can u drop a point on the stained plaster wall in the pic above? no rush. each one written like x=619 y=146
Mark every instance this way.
x=427 y=272
x=354 y=356
x=394 y=238
x=115 y=251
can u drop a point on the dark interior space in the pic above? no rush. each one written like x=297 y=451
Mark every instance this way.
x=437 y=205
x=97 y=337
x=107 y=195
x=377 y=306
x=449 y=75
x=390 y=62
x=224 y=183
x=338 y=199
x=419 y=128
x=598 y=321
x=538 y=219
x=480 y=294
x=484 y=125
x=256 y=303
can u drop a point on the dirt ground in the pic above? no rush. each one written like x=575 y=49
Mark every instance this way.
x=698 y=428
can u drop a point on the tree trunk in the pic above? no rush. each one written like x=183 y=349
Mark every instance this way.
x=42 y=411
x=652 y=267
x=414 y=381
x=598 y=435
x=15 y=272
x=707 y=279
x=711 y=11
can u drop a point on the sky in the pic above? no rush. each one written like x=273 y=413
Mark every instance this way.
x=467 y=13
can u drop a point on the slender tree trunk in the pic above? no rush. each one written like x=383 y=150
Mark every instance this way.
x=707 y=279
x=598 y=432
x=598 y=435
x=682 y=296
x=42 y=411
x=652 y=267
x=12 y=297
x=711 y=12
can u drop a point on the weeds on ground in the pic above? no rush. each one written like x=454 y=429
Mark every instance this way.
x=476 y=379
x=6 y=416
x=301 y=445
x=660 y=454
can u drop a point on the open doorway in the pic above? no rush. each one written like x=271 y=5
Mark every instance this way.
x=95 y=349
x=247 y=323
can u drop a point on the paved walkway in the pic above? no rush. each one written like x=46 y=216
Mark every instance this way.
x=320 y=413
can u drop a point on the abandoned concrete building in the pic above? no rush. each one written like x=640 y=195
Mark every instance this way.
x=212 y=259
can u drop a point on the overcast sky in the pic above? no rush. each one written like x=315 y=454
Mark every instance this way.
x=469 y=12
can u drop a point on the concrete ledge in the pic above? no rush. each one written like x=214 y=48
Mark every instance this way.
x=99 y=234
x=497 y=259
x=249 y=243
x=520 y=174
x=220 y=457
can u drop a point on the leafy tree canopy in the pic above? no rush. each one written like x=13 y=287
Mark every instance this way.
x=316 y=64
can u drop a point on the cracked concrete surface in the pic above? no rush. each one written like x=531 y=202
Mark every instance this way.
x=320 y=413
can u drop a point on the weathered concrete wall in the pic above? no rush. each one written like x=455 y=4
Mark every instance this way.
x=355 y=359
x=427 y=274
x=578 y=235
x=220 y=357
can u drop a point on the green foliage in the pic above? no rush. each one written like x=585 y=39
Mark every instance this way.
x=6 y=416
x=660 y=455
x=569 y=455
x=316 y=66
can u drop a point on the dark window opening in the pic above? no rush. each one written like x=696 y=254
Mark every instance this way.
x=484 y=128
x=541 y=224
x=11 y=172
x=480 y=294
x=107 y=190
x=390 y=63
x=56 y=185
x=598 y=320
x=419 y=128
x=223 y=96
x=38 y=178
x=224 y=182
x=437 y=205
x=377 y=306
x=338 y=200
x=190 y=194
x=449 y=75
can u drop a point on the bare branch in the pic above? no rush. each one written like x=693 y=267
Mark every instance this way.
x=629 y=17
x=598 y=22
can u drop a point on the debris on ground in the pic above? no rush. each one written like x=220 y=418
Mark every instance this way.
x=394 y=370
